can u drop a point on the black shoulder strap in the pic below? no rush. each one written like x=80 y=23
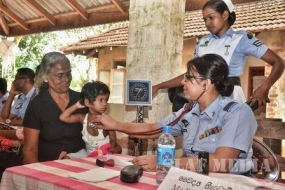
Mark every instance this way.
x=229 y=106
x=187 y=108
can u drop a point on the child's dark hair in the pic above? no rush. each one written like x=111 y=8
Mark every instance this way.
x=220 y=6
x=215 y=68
x=91 y=90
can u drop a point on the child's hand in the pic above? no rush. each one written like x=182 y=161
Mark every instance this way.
x=78 y=105
x=115 y=150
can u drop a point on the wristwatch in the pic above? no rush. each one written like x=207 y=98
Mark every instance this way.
x=8 y=121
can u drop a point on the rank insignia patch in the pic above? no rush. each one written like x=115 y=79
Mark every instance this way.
x=185 y=122
x=257 y=43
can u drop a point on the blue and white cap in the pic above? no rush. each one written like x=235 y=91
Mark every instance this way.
x=230 y=5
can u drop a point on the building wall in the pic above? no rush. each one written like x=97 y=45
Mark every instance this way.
x=276 y=108
x=108 y=55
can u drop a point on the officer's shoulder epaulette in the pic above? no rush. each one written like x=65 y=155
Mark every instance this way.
x=229 y=106
x=249 y=36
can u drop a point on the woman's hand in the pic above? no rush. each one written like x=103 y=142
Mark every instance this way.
x=105 y=122
x=260 y=95
x=148 y=162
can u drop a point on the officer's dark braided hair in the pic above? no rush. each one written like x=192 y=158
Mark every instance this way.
x=91 y=90
x=215 y=68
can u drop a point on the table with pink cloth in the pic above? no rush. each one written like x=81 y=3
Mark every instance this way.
x=54 y=175
x=59 y=174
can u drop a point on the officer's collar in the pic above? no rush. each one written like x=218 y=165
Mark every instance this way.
x=5 y=96
x=29 y=95
x=228 y=33
x=210 y=111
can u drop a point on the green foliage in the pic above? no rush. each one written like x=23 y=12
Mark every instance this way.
x=33 y=47
x=79 y=66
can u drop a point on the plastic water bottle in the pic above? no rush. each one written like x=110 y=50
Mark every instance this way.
x=165 y=154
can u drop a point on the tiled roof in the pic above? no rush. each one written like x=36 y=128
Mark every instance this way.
x=115 y=37
x=252 y=17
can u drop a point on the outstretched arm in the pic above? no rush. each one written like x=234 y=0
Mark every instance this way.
x=175 y=82
x=68 y=117
x=278 y=65
x=108 y=123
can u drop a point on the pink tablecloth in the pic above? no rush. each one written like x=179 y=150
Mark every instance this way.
x=53 y=176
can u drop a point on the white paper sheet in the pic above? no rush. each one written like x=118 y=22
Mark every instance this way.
x=95 y=175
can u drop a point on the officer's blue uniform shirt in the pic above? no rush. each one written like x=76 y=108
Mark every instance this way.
x=20 y=106
x=233 y=128
x=3 y=99
x=234 y=47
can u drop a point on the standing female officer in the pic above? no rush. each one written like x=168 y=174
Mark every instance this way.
x=234 y=47
x=216 y=124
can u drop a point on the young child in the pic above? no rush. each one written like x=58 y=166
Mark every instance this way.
x=94 y=95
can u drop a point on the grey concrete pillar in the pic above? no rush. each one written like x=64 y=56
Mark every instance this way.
x=154 y=49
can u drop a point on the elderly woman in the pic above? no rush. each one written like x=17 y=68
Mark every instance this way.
x=46 y=137
x=216 y=124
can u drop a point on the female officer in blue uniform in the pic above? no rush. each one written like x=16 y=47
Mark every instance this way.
x=234 y=47
x=216 y=124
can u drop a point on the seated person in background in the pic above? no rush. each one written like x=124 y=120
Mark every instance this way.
x=46 y=137
x=18 y=134
x=23 y=85
x=216 y=124
x=13 y=115
x=94 y=96
x=3 y=92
